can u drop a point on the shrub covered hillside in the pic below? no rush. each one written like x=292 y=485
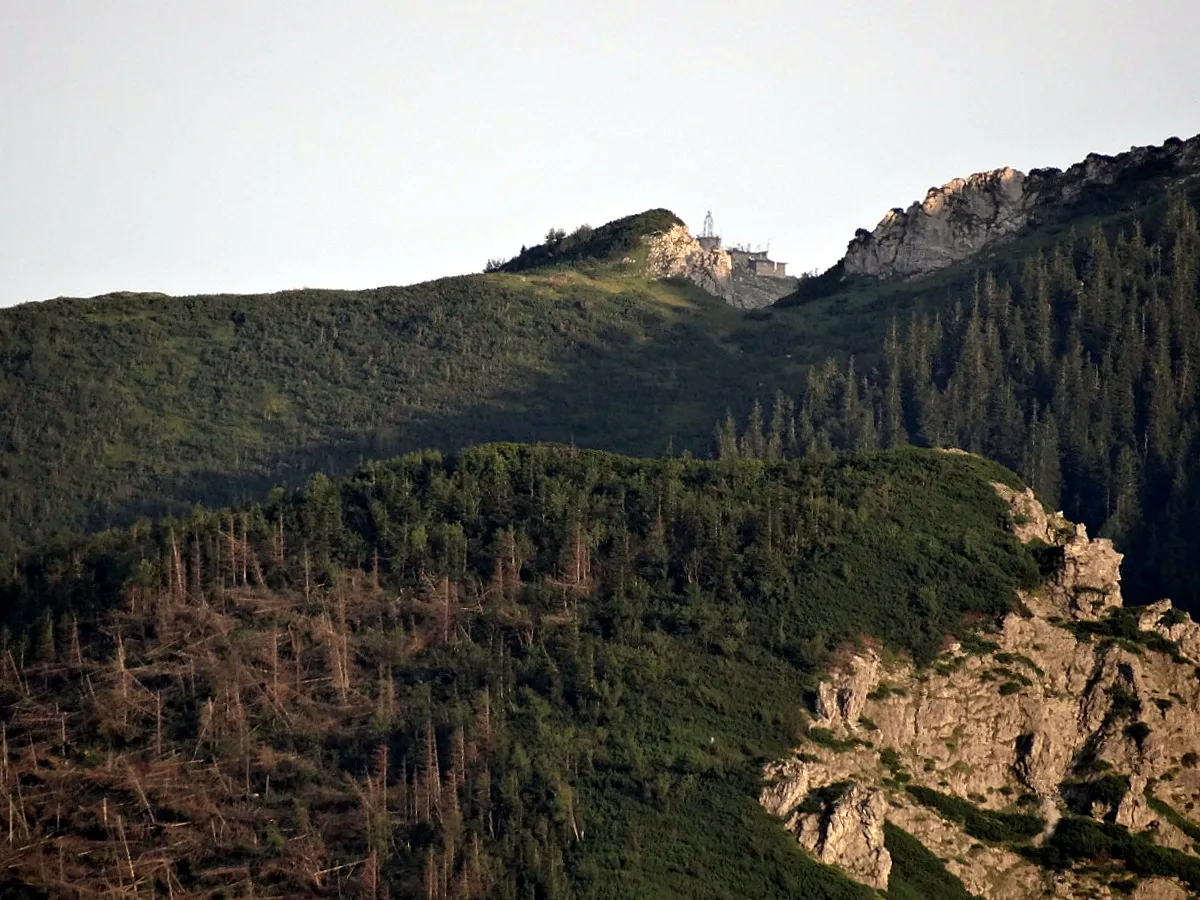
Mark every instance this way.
x=129 y=405
x=521 y=671
x=143 y=404
x=612 y=242
x=1075 y=366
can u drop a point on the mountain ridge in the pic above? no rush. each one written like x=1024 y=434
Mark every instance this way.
x=516 y=669
x=131 y=405
x=546 y=670
x=967 y=216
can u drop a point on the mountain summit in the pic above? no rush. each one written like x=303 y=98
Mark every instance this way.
x=541 y=670
x=968 y=215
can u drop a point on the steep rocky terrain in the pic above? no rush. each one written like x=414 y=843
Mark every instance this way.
x=674 y=253
x=970 y=215
x=954 y=221
x=1073 y=707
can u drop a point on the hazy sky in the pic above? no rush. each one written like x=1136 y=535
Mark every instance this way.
x=259 y=145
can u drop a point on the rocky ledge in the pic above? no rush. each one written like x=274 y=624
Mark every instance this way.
x=676 y=254
x=1072 y=705
x=970 y=215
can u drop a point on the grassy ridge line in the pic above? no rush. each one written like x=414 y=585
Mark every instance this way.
x=127 y=405
x=612 y=242
x=130 y=405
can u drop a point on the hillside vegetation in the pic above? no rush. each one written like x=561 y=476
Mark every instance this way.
x=540 y=670
x=1076 y=367
x=519 y=671
x=126 y=404
x=133 y=404
x=130 y=405
x=613 y=242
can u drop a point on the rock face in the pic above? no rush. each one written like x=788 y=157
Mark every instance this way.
x=850 y=834
x=847 y=833
x=1036 y=710
x=955 y=221
x=676 y=254
x=970 y=215
x=750 y=291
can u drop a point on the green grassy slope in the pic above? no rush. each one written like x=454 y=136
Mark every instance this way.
x=521 y=671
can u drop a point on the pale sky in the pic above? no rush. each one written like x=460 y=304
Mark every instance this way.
x=258 y=145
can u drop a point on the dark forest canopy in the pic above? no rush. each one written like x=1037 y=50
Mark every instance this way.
x=1078 y=370
x=518 y=671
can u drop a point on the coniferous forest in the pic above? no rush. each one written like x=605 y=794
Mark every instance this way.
x=517 y=672
x=1077 y=368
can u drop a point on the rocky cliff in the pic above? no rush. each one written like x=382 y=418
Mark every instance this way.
x=1073 y=706
x=970 y=215
x=954 y=221
x=676 y=254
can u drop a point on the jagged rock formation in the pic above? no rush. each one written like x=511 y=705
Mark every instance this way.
x=676 y=254
x=1035 y=711
x=955 y=221
x=850 y=834
x=969 y=215
x=847 y=833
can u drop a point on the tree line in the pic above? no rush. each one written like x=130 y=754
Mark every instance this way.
x=1079 y=372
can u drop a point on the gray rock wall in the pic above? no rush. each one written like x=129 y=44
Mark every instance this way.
x=954 y=221
x=970 y=215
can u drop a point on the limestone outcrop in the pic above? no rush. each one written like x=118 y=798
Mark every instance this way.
x=850 y=833
x=970 y=215
x=1027 y=717
x=954 y=221
x=676 y=254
